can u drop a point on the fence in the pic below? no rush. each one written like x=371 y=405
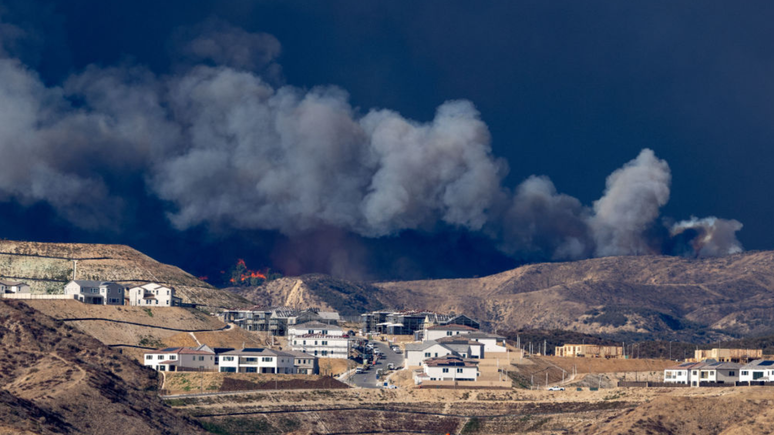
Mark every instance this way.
x=30 y=296
x=651 y=384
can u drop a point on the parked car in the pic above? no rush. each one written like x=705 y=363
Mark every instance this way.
x=359 y=370
x=391 y=366
x=555 y=388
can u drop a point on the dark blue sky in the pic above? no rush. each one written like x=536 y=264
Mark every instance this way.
x=568 y=89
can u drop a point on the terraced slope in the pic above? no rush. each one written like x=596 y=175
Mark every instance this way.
x=47 y=267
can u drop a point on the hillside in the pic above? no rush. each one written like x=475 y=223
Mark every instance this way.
x=625 y=298
x=667 y=297
x=47 y=267
x=315 y=290
x=55 y=379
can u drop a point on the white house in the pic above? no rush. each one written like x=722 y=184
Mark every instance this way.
x=759 y=370
x=304 y=364
x=463 y=346
x=14 y=287
x=96 y=292
x=492 y=343
x=682 y=373
x=450 y=368
x=152 y=295
x=174 y=359
x=440 y=331
x=257 y=361
x=415 y=353
x=315 y=328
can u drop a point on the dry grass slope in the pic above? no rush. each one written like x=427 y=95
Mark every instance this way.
x=48 y=266
x=55 y=379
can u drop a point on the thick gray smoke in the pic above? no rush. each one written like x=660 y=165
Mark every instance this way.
x=223 y=147
x=631 y=203
x=715 y=238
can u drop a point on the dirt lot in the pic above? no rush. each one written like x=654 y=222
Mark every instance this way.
x=210 y=382
x=627 y=410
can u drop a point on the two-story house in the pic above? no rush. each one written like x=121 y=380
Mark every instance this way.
x=96 y=292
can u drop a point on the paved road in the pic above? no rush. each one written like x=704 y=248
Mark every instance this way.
x=368 y=378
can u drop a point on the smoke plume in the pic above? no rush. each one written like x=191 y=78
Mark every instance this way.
x=223 y=147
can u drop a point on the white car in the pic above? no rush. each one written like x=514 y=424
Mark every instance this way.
x=555 y=388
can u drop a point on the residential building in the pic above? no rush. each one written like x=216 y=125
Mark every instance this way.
x=276 y=320
x=409 y=322
x=153 y=295
x=759 y=370
x=439 y=331
x=304 y=364
x=450 y=368
x=492 y=343
x=683 y=373
x=415 y=353
x=728 y=355
x=717 y=372
x=96 y=292
x=14 y=287
x=257 y=360
x=319 y=339
x=589 y=351
x=174 y=359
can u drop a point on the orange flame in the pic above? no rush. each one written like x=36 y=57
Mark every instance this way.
x=249 y=274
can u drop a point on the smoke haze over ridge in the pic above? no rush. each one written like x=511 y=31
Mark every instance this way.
x=224 y=144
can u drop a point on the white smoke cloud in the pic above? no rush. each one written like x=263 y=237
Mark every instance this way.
x=223 y=147
x=715 y=238
x=631 y=203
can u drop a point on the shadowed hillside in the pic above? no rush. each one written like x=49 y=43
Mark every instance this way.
x=55 y=379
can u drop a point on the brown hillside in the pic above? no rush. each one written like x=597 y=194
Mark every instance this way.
x=55 y=379
x=668 y=296
x=315 y=291
x=47 y=267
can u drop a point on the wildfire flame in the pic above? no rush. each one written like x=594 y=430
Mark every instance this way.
x=203 y=278
x=247 y=274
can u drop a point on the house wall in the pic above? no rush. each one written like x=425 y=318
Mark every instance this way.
x=765 y=374
x=490 y=345
x=257 y=363
x=322 y=346
x=163 y=297
x=452 y=373
x=332 y=330
x=415 y=357
x=677 y=376
x=190 y=361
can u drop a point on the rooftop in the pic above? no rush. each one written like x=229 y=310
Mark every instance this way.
x=451 y=328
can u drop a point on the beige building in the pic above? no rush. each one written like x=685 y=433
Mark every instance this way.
x=14 y=287
x=96 y=292
x=728 y=355
x=589 y=351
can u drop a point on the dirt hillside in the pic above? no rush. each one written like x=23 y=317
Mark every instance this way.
x=667 y=297
x=55 y=379
x=47 y=267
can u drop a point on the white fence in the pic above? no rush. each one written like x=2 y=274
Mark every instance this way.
x=29 y=296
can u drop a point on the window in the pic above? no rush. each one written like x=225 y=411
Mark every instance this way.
x=745 y=373
x=228 y=358
x=251 y=359
x=731 y=373
x=315 y=342
x=295 y=342
x=324 y=343
x=459 y=370
x=201 y=358
x=228 y=369
x=448 y=333
x=757 y=375
x=427 y=354
x=251 y=369
x=445 y=370
x=172 y=357
x=161 y=357
x=325 y=353
x=267 y=359
x=148 y=356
